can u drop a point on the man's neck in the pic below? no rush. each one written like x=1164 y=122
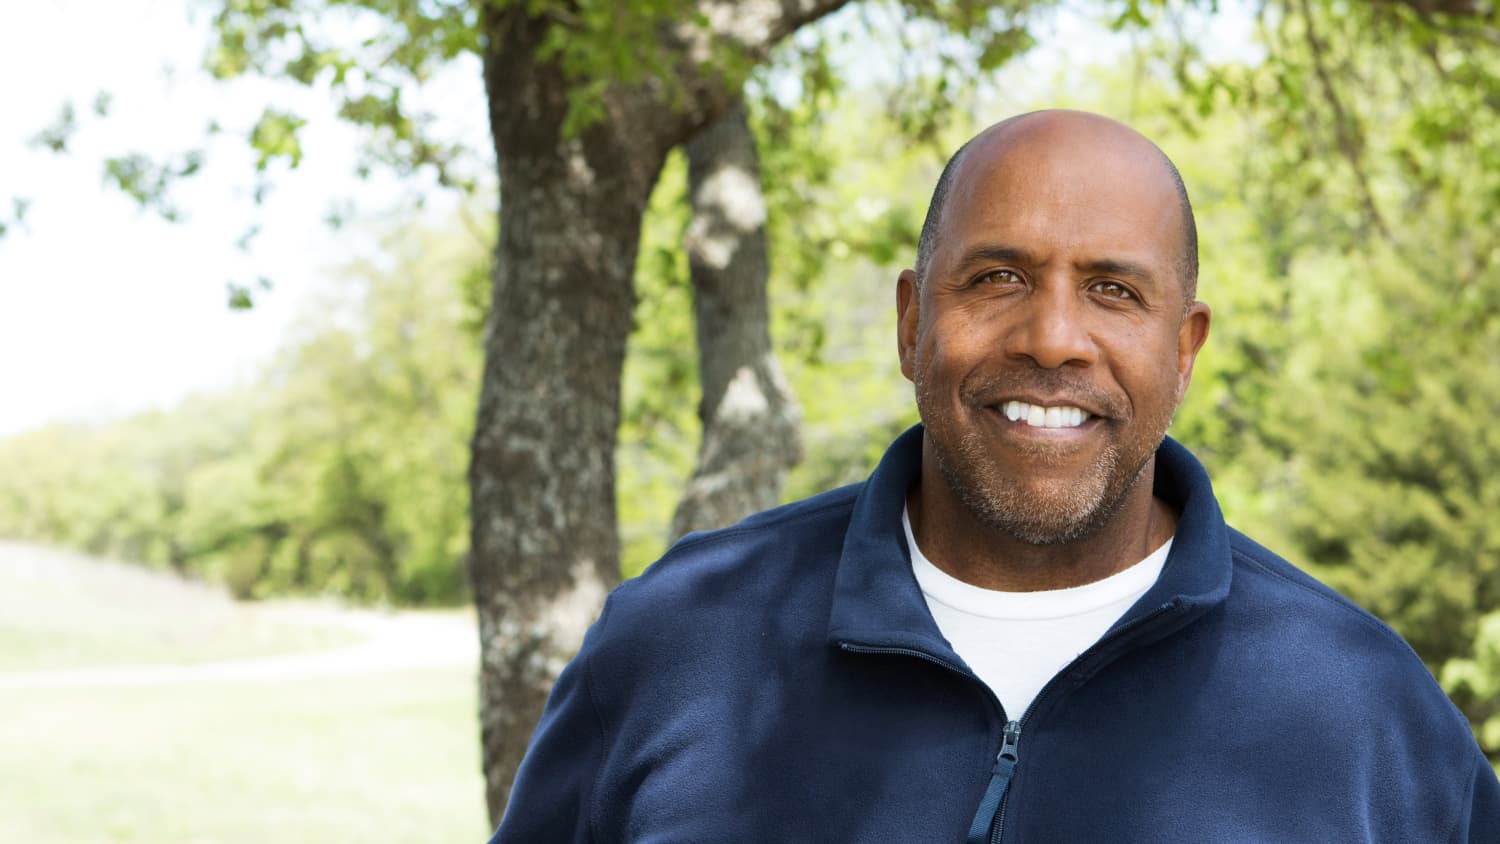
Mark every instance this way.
x=966 y=548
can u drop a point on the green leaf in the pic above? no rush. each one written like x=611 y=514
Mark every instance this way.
x=1132 y=16
x=275 y=137
x=239 y=297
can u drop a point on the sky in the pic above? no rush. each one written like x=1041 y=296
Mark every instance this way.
x=105 y=309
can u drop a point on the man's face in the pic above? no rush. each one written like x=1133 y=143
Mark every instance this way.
x=1049 y=344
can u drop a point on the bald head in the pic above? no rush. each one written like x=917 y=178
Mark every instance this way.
x=1082 y=139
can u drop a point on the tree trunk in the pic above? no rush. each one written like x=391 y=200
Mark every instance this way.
x=751 y=421
x=544 y=548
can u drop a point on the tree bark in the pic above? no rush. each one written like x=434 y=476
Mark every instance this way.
x=544 y=547
x=543 y=542
x=751 y=420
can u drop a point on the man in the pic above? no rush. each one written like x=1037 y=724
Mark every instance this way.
x=1031 y=623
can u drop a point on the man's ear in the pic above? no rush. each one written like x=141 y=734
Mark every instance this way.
x=1190 y=337
x=908 y=311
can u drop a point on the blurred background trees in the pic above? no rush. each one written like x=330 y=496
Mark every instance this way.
x=1344 y=161
x=338 y=471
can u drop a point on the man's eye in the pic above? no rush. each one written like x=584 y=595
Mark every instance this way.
x=1114 y=290
x=999 y=277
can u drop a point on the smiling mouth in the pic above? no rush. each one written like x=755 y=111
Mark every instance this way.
x=1037 y=416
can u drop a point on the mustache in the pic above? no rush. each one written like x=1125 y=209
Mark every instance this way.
x=988 y=387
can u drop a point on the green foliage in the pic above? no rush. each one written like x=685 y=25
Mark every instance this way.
x=275 y=136
x=148 y=182
x=1344 y=401
x=366 y=53
x=1474 y=681
x=841 y=228
x=340 y=470
x=947 y=51
x=242 y=296
x=601 y=43
x=598 y=45
x=659 y=427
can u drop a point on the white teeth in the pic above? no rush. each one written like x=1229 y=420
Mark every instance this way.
x=1044 y=417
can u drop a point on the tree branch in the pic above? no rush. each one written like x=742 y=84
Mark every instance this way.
x=1350 y=139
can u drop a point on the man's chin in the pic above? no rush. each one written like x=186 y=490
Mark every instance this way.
x=1040 y=525
x=1047 y=532
x=1038 y=514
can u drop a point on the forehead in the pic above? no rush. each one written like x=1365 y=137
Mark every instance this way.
x=1069 y=189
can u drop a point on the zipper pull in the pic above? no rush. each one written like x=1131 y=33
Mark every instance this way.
x=1008 y=745
x=1000 y=775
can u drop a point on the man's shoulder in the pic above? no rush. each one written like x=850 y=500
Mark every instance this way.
x=1338 y=682
x=1317 y=639
x=1274 y=585
x=766 y=553
x=786 y=522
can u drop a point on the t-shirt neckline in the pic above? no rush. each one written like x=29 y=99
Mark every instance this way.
x=965 y=597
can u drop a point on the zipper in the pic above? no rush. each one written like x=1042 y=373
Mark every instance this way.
x=991 y=812
x=874 y=649
x=998 y=819
x=992 y=804
x=990 y=816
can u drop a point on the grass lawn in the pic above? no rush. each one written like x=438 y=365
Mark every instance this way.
x=62 y=610
x=386 y=756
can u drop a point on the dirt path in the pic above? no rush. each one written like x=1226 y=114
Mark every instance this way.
x=389 y=641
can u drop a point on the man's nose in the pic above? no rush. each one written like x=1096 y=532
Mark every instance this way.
x=1052 y=329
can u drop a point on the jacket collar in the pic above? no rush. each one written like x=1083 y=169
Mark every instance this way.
x=876 y=600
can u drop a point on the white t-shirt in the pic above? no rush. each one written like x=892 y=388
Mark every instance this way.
x=1017 y=641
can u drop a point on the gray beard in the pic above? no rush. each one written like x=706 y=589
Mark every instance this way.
x=1038 y=520
x=1056 y=515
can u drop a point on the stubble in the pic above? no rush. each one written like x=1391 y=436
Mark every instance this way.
x=1035 y=508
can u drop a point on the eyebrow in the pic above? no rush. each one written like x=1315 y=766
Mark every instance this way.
x=1110 y=266
x=1014 y=254
x=995 y=252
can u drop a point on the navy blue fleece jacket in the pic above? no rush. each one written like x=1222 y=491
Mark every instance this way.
x=782 y=681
